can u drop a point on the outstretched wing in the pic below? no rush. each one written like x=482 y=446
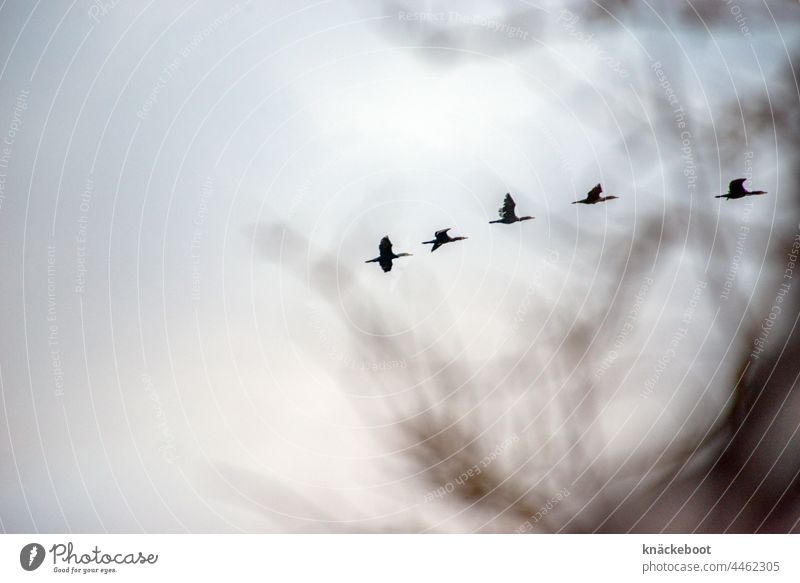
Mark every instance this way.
x=507 y=210
x=385 y=249
x=594 y=194
x=441 y=233
x=737 y=186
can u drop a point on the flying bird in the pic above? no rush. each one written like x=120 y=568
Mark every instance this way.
x=386 y=255
x=507 y=214
x=593 y=196
x=736 y=189
x=440 y=238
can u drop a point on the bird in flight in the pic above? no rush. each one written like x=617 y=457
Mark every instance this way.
x=386 y=255
x=736 y=189
x=593 y=196
x=440 y=238
x=507 y=214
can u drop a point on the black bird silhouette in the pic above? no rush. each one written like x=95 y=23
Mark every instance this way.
x=441 y=237
x=386 y=255
x=736 y=189
x=507 y=214
x=593 y=196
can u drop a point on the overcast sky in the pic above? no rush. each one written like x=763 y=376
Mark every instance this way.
x=189 y=193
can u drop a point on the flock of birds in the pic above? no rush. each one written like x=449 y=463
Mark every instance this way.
x=508 y=216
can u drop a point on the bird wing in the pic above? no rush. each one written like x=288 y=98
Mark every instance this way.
x=507 y=210
x=441 y=233
x=594 y=194
x=385 y=249
x=737 y=186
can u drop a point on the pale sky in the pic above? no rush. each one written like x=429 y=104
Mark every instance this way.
x=204 y=373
